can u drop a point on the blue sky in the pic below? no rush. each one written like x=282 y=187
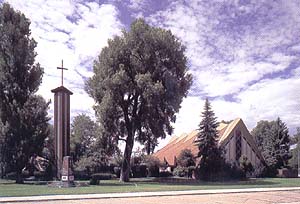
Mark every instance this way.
x=243 y=54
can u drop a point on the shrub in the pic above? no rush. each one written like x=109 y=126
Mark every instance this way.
x=81 y=175
x=94 y=163
x=139 y=171
x=95 y=178
x=39 y=175
x=246 y=165
x=165 y=174
x=186 y=158
x=152 y=164
x=180 y=171
x=227 y=172
x=11 y=176
x=153 y=171
x=117 y=171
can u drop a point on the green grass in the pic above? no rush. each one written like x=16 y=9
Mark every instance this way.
x=9 y=188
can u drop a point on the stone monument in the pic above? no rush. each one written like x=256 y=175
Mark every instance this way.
x=67 y=176
x=62 y=127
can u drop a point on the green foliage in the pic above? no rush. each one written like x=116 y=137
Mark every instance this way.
x=149 y=141
x=152 y=164
x=293 y=162
x=246 y=165
x=23 y=116
x=139 y=170
x=83 y=135
x=117 y=159
x=273 y=140
x=139 y=82
x=261 y=131
x=210 y=154
x=165 y=174
x=48 y=150
x=91 y=163
x=180 y=171
x=186 y=158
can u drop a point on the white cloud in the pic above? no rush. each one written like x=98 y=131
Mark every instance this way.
x=232 y=42
x=245 y=49
x=72 y=31
x=265 y=100
x=233 y=48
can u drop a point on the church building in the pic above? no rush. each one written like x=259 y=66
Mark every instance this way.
x=234 y=137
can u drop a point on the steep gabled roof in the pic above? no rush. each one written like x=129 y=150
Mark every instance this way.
x=186 y=141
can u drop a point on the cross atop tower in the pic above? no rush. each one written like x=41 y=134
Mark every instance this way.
x=62 y=71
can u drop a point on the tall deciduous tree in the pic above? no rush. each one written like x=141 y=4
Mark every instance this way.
x=210 y=154
x=23 y=115
x=139 y=83
x=273 y=140
x=260 y=133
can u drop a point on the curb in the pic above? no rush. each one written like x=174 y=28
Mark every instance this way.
x=138 y=194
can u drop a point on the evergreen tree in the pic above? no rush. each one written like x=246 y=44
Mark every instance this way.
x=210 y=154
x=139 y=83
x=22 y=114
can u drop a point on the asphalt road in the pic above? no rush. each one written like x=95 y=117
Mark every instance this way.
x=279 y=197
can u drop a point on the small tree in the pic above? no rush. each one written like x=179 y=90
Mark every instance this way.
x=209 y=153
x=186 y=158
x=246 y=165
x=83 y=136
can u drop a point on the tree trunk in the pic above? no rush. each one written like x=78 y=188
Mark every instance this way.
x=148 y=147
x=125 y=169
x=19 y=178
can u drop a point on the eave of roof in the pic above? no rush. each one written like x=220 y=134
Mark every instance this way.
x=174 y=147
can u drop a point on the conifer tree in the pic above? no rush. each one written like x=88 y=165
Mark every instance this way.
x=209 y=153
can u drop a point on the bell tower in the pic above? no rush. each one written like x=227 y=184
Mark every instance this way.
x=61 y=123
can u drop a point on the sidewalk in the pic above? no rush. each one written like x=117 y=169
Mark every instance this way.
x=138 y=194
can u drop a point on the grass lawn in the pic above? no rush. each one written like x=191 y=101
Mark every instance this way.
x=9 y=188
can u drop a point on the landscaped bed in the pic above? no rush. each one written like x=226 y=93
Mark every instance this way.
x=9 y=188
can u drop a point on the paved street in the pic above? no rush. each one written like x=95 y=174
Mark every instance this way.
x=279 y=197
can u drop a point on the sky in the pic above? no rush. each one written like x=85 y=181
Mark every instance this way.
x=243 y=54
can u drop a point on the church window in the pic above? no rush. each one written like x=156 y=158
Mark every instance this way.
x=238 y=146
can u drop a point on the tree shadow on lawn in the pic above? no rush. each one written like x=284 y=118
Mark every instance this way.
x=193 y=182
x=166 y=181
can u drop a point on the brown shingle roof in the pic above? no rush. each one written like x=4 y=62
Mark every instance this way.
x=186 y=141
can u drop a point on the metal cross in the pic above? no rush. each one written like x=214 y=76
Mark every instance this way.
x=62 y=71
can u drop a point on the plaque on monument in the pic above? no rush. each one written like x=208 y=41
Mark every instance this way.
x=67 y=172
